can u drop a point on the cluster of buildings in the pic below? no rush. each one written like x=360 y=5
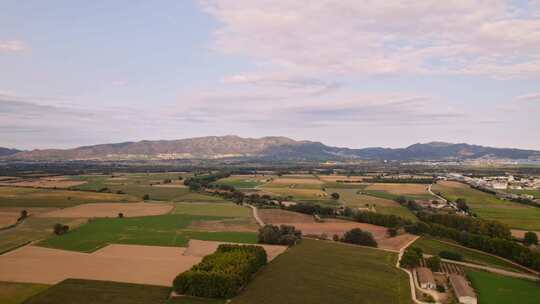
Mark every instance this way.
x=462 y=290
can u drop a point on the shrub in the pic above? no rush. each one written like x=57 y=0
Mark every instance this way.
x=359 y=237
x=146 y=197
x=60 y=229
x=450 y=255
x=223 y=273
x=120 y=215
x=335 y=195
x=282 y=235
x=530 y=238
x=392 y=232
x=24 y=215
x=440 y=288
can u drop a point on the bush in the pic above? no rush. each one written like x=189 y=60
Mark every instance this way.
x=335 y=196
x=120 y=215
x=440 y=288
x=392 y=232
x=24 y=215
x=359 y=237
x=146 y=197
x=60 y=229
x=282 y=235
x=450 y=255
x=530 y=238
x=223 y=273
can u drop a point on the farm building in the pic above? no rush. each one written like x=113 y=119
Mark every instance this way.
x=425 y=278
x=463 y=291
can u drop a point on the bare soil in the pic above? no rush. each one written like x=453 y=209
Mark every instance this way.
x=109 y=210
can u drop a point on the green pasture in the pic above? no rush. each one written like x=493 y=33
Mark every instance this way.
x=161 y=230
x=496 y=289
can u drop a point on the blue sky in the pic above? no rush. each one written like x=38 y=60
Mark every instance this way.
x=348 y=73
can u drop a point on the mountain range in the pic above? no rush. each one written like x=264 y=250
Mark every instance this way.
x=269 y=148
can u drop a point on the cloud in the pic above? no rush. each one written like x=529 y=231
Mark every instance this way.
x=12 y=46
x=529 y=98
x=355 y=37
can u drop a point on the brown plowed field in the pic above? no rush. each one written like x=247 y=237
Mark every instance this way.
x=109 y=210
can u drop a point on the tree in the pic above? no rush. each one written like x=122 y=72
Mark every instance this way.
x=60 y=229
x=462 y=204
x=392 y=232
x=451 y=255
x=24 y=214
x=410 y=258
x=335 y=195
x=282 y=235
x=434 y=263
x=146 y=197
x=120 y=215
x=530 y=238
x=359 y=237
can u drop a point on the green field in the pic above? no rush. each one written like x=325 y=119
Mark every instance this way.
x=325 y=272
x=212 y=209
x=488 y=206
x=535 y=193
x=351 y=198
x=434 y=247
x=32 y=229
x=98 y=292
x=495 y=289
x=15 y=293
x=161 y=230
x=32 y=197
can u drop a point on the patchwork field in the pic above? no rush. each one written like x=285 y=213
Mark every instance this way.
x=488 y=206
x=496 y=289
x=153 y=265
x=392 y=191
x=245 y=181
x=32 y=197
x=330 y=227
x=329 y=273
x=109 y=210
x=16 y=293
x=434 y=247
x=58 y=182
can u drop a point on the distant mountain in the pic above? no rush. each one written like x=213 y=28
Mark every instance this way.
x=270 y=148
x=7 y=151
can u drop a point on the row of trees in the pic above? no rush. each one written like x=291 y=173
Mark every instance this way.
x=489 y=228
x=358 y=236
x=201 y=182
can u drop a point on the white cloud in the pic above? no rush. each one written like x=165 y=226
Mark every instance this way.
x=12 y=46
x=485 y=37
x=529 y=98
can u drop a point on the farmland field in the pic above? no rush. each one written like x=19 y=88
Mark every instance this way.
x=162 y=230
x=32 y=197
x=392 y=191
x=434 y=247
x=488 y=206
x=496 y=289
x=329 y=273
x=16 y=293
x=244 y=181
x=212 y=209
x=96 y=292
x=351 y=198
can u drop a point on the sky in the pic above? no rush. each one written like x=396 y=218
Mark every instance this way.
x=350 y=73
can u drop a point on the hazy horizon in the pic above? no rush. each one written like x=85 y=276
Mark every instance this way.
x=345 y=73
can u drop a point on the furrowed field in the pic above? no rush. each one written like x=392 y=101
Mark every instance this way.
x=324 y=272
x=488 y=206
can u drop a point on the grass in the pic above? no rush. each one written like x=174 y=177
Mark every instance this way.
x=193 y=300
x=15 y=293
x=98 y=292
x=352 y=199
x=161 y=230
x=30 y=230
x=325 y=272
x=212 y=209
x=497 y=289
x=488 y=206
x=535 y=193
x=434 y=247
x=32 y=197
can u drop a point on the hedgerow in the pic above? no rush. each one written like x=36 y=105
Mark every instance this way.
x=223 y=273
